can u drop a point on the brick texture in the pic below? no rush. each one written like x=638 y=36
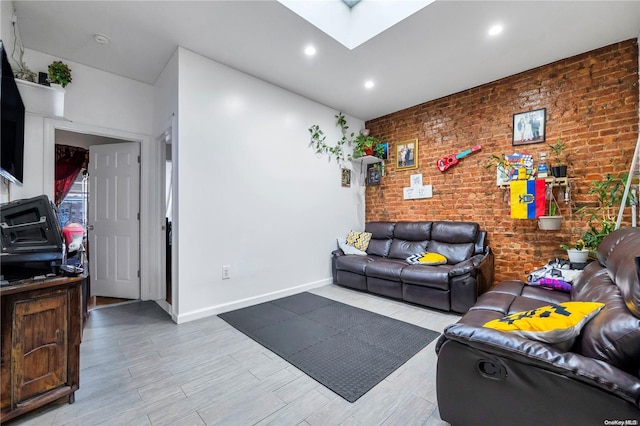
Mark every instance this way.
x=592 y=104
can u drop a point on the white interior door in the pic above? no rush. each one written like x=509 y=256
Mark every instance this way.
x=113 y=220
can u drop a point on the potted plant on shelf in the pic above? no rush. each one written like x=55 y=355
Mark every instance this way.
x=560 y=169
x=363 y=144
x=59 y=73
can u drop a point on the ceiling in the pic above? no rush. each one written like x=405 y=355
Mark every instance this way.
x=442 y=49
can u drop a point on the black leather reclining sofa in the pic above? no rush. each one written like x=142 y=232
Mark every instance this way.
x=453 y=286
x=488 y=377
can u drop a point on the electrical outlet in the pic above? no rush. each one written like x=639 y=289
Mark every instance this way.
x=226 y=272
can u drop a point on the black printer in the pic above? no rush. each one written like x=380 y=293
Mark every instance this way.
x=32 y=242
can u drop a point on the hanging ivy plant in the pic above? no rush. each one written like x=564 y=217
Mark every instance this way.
x=362 y=144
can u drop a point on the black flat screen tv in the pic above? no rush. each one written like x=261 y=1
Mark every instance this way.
x=12 y=118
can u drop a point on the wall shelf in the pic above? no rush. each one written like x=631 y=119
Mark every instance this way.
x=553 y=181
x=42 y=100
x=367 y=159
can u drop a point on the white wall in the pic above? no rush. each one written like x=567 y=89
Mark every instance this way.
x=6 y=29
x=165 y=120
x=251 y=193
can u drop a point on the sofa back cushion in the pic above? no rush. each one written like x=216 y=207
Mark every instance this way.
x=454 y=240
x=614 y=253
x=409 y=238
x=613 y=335
x=381 y=235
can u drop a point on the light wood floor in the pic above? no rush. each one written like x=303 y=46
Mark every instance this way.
x=139 y=368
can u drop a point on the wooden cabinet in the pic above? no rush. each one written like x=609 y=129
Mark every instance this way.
x=41 y=330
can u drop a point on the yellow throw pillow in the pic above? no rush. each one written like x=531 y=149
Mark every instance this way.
x=427 y=259
x=359 y=240
x=555 y=324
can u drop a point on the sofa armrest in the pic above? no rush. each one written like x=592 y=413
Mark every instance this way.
x=471 y=265
x=337 y=253
x=587 y=370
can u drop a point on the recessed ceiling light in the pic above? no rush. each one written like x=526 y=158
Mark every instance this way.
x=495 y=30
x=101 y=39
x=310 y=50
x=369 y=84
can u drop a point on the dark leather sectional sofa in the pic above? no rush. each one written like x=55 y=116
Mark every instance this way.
x=488 y=377
x=454 y=286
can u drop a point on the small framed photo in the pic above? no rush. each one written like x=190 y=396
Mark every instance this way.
x=529 y=127
x=407 y=155
x=346 y=177
x=416 y=180
x=373 y=175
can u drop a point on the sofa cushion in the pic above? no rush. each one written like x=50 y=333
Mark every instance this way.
x=353 y=263
x=427 y=258
x=514 y=296
x=455 y=253
x=387 y=269
x=557 y=324
x=455 y=232
x=427 y=276
x=380 y=230
x=401 y=249
x=379 y=247
x=623 y=272
x=614 y=335
x=359 y=240
x=381 y=235
x=412 y=231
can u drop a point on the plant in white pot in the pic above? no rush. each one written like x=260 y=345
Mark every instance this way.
x=553 y=222
x=59 y=73
x=577 y=253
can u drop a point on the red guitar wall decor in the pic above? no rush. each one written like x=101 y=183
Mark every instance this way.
x=451 y=160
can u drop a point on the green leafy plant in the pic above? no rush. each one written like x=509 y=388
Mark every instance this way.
x=59 y=73
x=579 y=245
x=601 y=220
x=558 y=149
x=361 y=143
x=364 y=145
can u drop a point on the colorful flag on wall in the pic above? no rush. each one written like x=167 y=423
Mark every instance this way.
x=527 y=198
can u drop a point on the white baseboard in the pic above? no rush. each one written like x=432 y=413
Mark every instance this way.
x=243 y=303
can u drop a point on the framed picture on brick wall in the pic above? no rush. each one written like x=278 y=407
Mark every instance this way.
x=407 y=155
x=529 y=127
x=374 y=176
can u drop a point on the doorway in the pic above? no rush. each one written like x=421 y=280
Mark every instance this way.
x=152 y=266
x=104 y=200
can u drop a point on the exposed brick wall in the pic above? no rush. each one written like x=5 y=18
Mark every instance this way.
x=592 y=103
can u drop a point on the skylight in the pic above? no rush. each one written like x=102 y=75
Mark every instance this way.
x=352 y=26
x=350 y=3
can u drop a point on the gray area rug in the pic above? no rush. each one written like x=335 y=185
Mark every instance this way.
x=347 y=349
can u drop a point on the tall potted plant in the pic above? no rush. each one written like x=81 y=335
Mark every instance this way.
x=601 y=220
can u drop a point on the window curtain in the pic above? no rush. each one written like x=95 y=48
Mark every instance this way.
x=70 y=161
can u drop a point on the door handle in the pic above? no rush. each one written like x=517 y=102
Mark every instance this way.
x=90 y=227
